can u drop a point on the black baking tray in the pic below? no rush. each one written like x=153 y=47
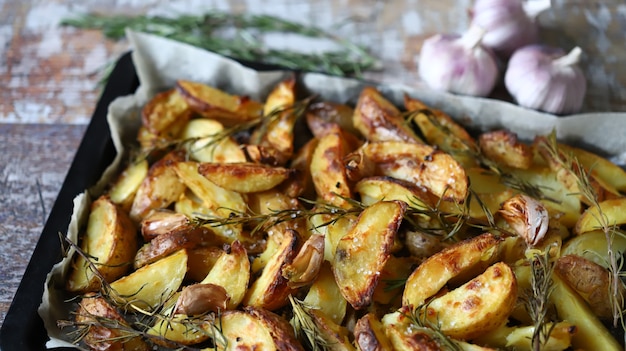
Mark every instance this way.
x=23 y=329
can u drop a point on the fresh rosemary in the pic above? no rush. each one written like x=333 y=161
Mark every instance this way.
x=538 y=296
x=418 y=318
x=304 y=326
x=209 y=30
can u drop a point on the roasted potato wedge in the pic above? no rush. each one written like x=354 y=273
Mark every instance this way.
x=160 y=188
x=476 y=307
x=460 y=261
x=109 y=335
x=324 y=112
x=599 y=167
x=362 y=253
x=422 y=165
x=381 y=188
x=271 y=289
x=379 y=120
x=405 y=335
x=328 y=171
x=325 y=296
x=614 y=211
x=201 y=260
x=232 y=272
x=369 y=334
x=503 y=147
x=150 y=285
x=110 y=241
x=244 y=177
x=123 y=191
x=205 y=144
x=593 y=246
x=165 y=113
x=217 y=104
x=332 y=334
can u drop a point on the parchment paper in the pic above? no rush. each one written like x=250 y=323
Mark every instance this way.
x=160 y=62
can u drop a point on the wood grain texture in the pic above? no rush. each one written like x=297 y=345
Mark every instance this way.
x=34 y=159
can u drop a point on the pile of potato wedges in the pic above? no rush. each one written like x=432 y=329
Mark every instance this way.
x=300 y=224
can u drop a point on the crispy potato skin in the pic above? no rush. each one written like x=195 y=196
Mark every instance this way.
x=164 y=114
x=328 y=170
x=244 y=177
x=111 y=239
x=504 y=148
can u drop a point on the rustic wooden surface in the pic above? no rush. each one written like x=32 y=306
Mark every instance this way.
x=49 y=75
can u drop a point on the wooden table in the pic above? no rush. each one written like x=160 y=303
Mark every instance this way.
x=49 y=75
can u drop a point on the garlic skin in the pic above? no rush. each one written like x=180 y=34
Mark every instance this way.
x=528 y=218
x=458 y=64
x=544 y=78
x=507 y=25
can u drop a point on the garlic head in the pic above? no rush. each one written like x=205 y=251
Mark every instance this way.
x=458 y=64
x=527 y=216
x=506 y=23
x=544 y=78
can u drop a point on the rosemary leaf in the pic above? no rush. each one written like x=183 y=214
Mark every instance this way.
x=207 y=31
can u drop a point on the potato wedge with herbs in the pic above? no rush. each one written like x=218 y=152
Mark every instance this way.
x=165 y=114
x=600 y=167
x=403 y=334
x=151 y=285
x=379 y=120
x=110 y=241
x=321 y=114
x=213 y=103
x=255 y=329
x=461 y=261
x=232 y=272
x=106 y=329
x=123 y=191
x=244 y=177
x=476 y=307
x=614 y=211
x=381 y=188
x=332 y=334
x=593 y=246
x=205 y=144
x=325 y=296
x=422 y=165
x=160 y=188
x=271 y=290
x=362 y=253
x=328 y=171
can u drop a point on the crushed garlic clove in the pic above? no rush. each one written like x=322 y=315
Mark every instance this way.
x=197 y=299
x=527 y=216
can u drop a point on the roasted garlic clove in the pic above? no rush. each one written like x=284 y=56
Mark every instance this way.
x=306 y=265
x=201 y=298
x=527 y=216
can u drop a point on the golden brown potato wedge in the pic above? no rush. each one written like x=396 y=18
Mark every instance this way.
x=405 y=335
x=600 y=167
x=123 y=191
x=213 y=103
x=379 y=120
x=223 y=201
x=256 y=329
x=160 y=188
x=590 y=280
x=422 y=165
x=362 y=253
x=232 y=272
x=328 y=171
x=106 y=329
x=301 y=184
x=151 y=285
x=503 y=147
x=271 y=290
x=205 y=144
x=325 y=296
x=165 y=113
x=201 y=260
x=460 y=261
x=593 y=246
x=614 y=211
x=334 y=335
x=396 y=269
x=182 y=330
x=244 y=177
x=381 y=188
x=369 y=334
x=110 y=241
x=520 y=337
x=476 y=307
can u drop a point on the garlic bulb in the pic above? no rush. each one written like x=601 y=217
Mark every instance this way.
x=527 y=216
x=544 y=78
x=506 y=24
x=458 y=64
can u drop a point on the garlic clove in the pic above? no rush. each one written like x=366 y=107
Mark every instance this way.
x=544 y=78
x=507 y=25
x=458 y=64
x=527 y=216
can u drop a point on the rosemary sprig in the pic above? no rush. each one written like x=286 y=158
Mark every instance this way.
x=417 y=317
x=538 y=296
x=304 y=326
x=588 y=192
x=207 y=31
